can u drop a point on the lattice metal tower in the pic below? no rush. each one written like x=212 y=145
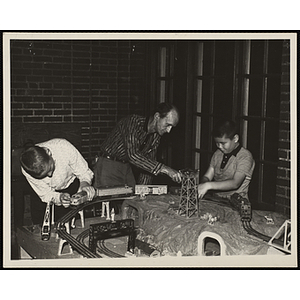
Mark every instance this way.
x=189 y=204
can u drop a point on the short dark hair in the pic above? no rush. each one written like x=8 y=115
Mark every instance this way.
x=225 y=128
x=164 y=108
x=34 y=160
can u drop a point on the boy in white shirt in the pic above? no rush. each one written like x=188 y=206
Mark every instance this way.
x=51 y=168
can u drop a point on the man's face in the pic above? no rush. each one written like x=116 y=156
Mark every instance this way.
x=225 y=144
x=165 y=125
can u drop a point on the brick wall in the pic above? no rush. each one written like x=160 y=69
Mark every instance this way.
x=66 y=81
x=283 y=189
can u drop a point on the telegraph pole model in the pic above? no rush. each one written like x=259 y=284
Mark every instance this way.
x=189 y=204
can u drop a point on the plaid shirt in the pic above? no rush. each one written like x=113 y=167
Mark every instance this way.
x=69 y=164
x=129 y=141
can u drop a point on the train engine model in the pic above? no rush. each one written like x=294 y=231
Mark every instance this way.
x=242 y=205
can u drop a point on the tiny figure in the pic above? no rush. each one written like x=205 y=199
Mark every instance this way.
x=269 y=220
x=107 y=211
x=105 y=207
x=112 y=215
x=210 y=218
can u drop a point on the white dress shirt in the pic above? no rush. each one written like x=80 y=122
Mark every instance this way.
x=69 y=164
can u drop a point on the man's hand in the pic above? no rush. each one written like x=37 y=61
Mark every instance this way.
x=173 y=174
x=65 y=199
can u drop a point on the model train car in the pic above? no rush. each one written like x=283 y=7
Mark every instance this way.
x=144 y=189
x=46 y=227
x=116 y=191
x=79 y=198
x=109 y=192
x=242 y=205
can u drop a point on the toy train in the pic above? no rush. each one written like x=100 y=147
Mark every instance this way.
x=79 y=198
x=117 y=191
x=109 y=192
x=242 y=205
x=141 y=189
x=46 y=227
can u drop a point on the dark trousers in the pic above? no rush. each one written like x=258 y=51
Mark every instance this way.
x=110 y=173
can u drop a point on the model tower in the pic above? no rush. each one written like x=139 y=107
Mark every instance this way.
x=189 y=204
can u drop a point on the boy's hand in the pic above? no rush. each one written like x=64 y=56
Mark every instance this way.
x=202 y=189
x=65 y=199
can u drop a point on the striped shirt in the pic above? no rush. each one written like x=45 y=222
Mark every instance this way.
x=69 y=164
x=130 y=141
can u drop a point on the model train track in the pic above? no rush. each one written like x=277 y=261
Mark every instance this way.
x=106 y=251
x=82 y=236
x=247 y=226
x=101 y=248
x=76 y=244
x=243 y=207
x=239 y=204
x=250 y=230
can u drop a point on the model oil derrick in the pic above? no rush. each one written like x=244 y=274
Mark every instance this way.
x=189 y=193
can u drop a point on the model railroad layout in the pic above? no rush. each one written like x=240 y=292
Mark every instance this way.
x=79 y=202
x=243 y=206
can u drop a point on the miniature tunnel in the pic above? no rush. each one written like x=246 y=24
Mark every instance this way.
x=211 y=247
x=211 y=244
